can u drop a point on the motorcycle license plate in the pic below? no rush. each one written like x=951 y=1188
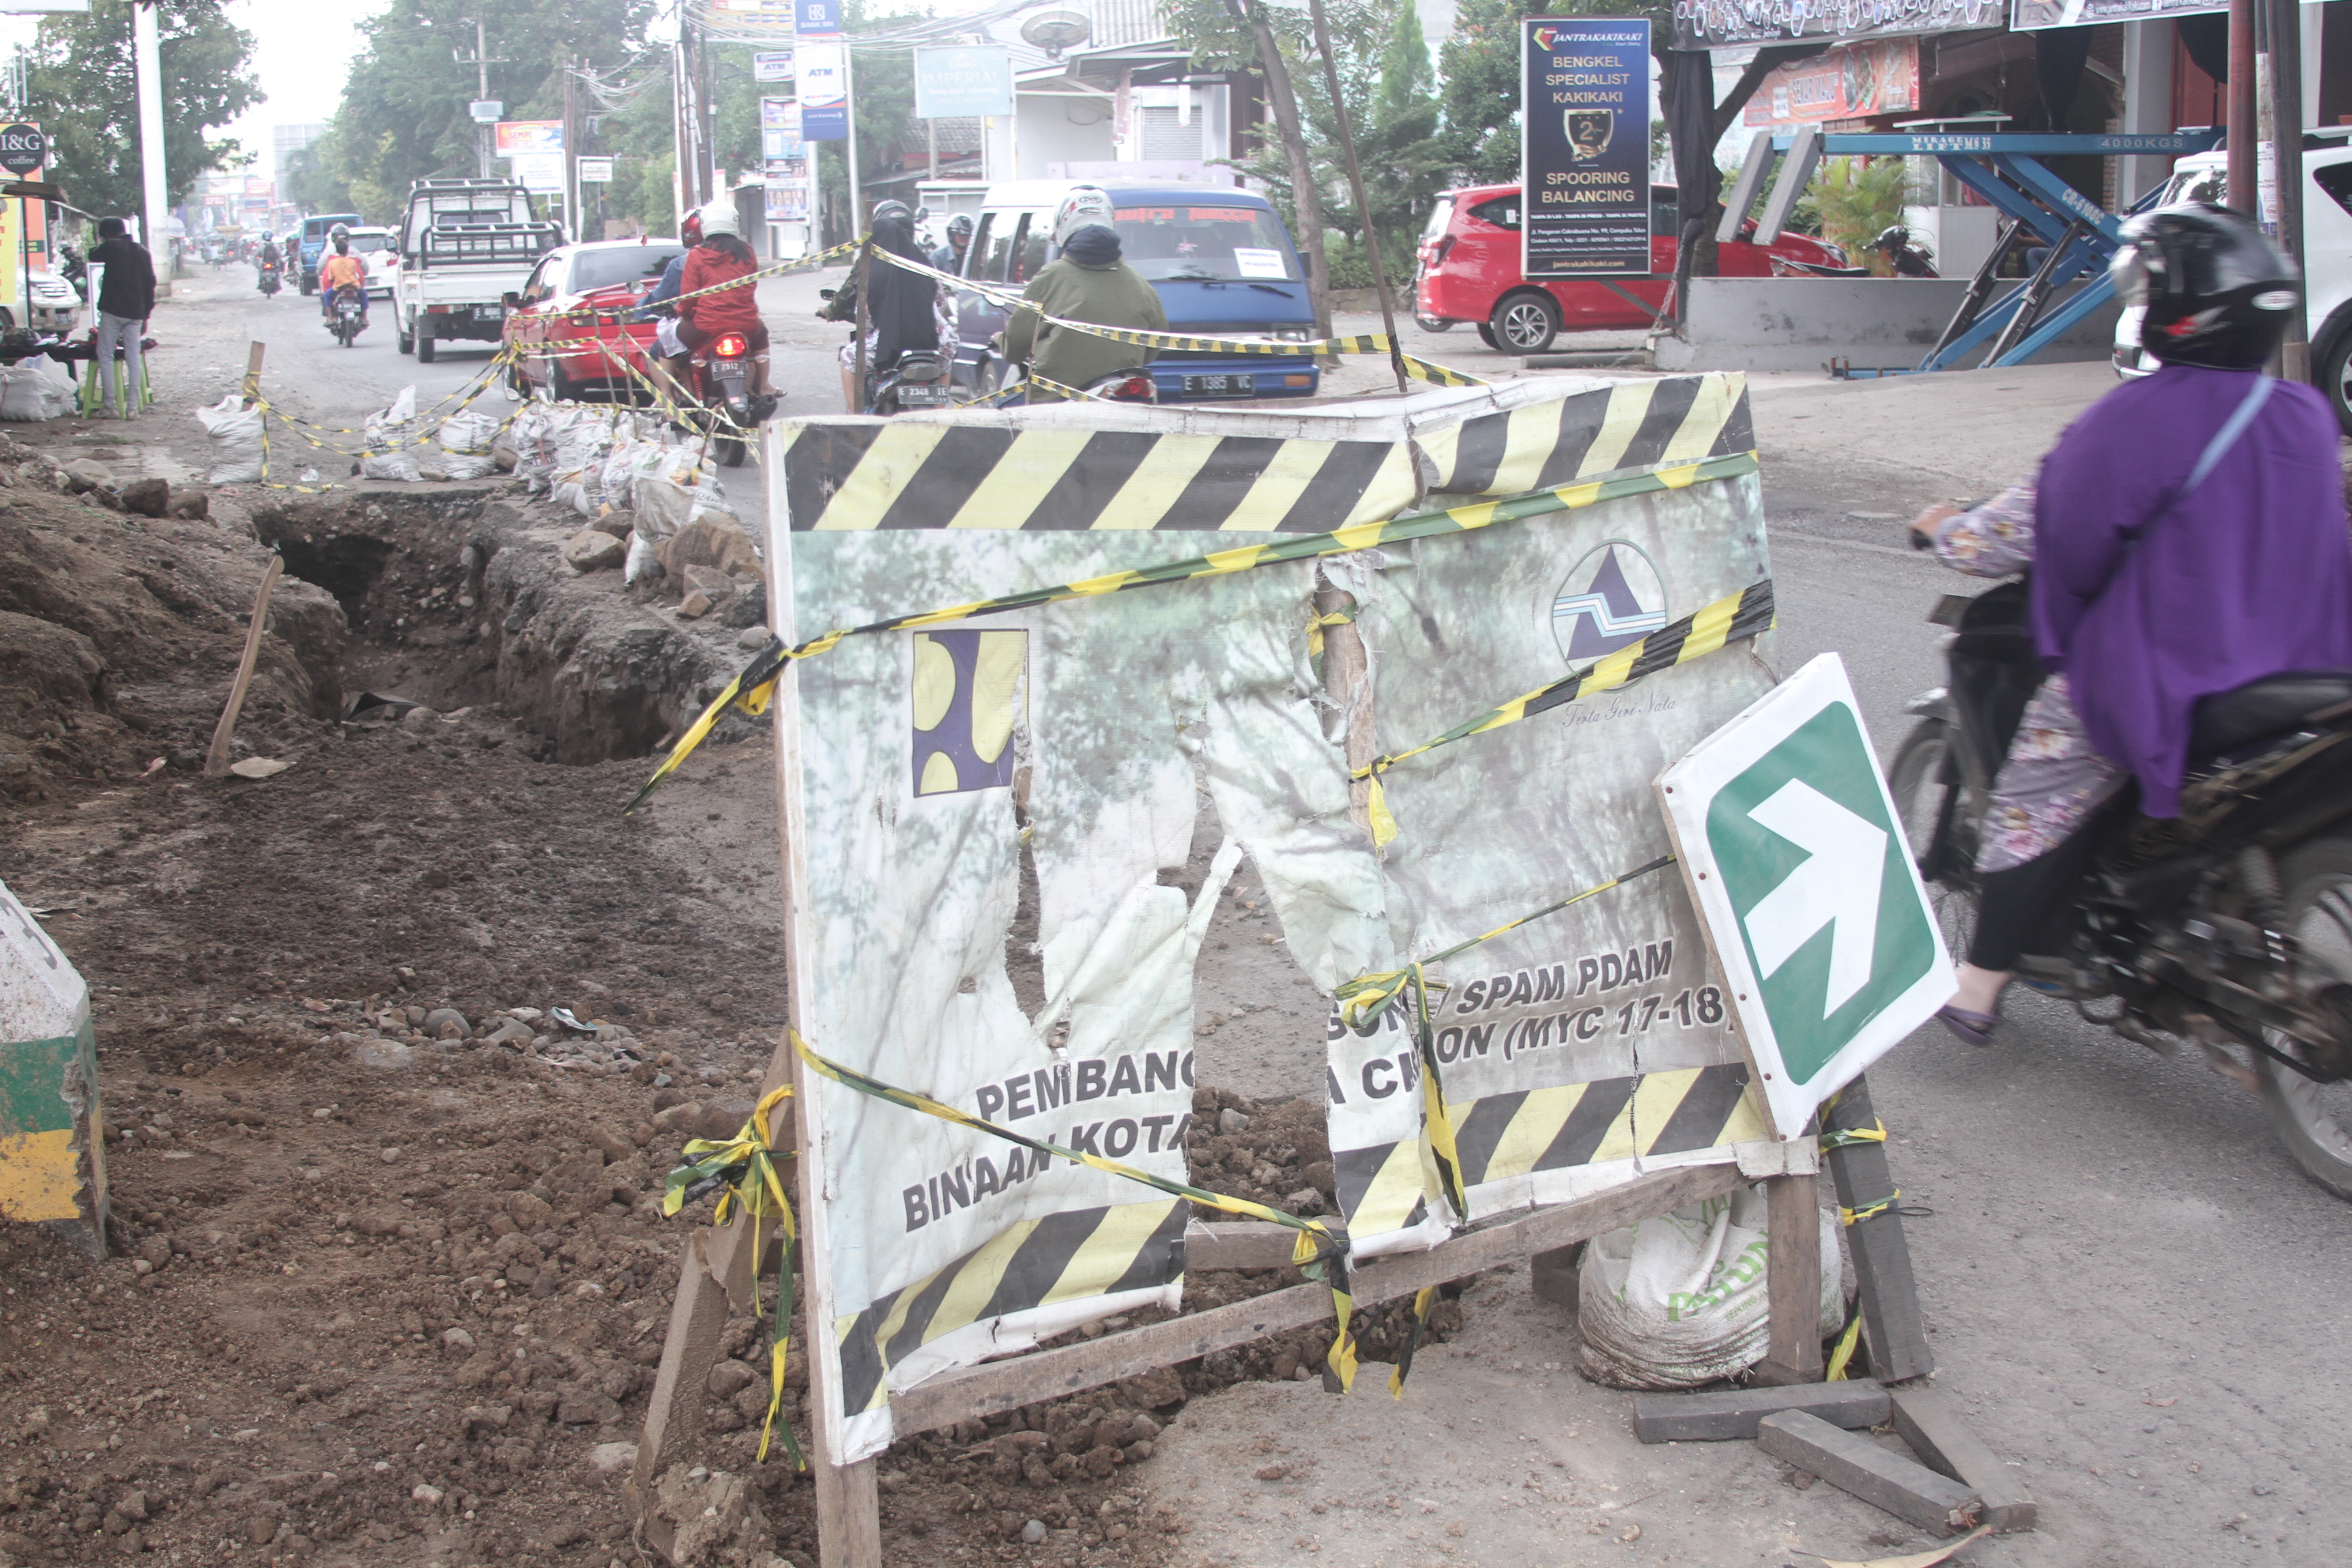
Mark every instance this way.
x=914 y=394
x=1220 y=385
x=489 y=313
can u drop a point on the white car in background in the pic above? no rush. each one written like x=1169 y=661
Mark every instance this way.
x=55 y=306
x=2326 y=259
x=377 y=247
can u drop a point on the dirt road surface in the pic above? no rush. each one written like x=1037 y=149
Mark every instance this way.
x=387 y=1290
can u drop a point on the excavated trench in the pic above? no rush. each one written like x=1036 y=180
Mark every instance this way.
x=459 y=598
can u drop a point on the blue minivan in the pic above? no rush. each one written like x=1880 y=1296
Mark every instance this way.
x=1220 y=256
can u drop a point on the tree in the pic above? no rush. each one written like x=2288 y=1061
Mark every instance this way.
x=404 y=115
x=82 y=75
x=1404 y=69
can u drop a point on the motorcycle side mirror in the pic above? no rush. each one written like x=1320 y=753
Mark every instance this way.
x=512 y=299
x=825 y=293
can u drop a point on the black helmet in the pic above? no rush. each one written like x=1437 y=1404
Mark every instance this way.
x=2217 y=290
x=959 y=227
x=1891 y=239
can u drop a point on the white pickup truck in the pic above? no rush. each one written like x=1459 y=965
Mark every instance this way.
x=464 y=246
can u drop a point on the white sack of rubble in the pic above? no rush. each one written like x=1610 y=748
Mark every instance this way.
x=236 y=431
x=399 y=464
x=1680 y=1300
x=469 y=434
x=533 y=446
x=389 y=427
x=35 y=389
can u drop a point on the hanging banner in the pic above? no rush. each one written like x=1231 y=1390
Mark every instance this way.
x=1585 y=148
x=963 y=83
x=1847 y=83
x=2031 y=16
x=824 y=92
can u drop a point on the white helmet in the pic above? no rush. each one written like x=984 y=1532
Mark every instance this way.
x=720 y=217
x=1084 y=207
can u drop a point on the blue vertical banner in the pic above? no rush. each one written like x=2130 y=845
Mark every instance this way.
x=1585 y=163
x=824 y=94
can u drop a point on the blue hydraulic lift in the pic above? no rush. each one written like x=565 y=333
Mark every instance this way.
x=2079 y=235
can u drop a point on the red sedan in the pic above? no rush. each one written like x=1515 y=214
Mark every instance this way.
x=577 y=322
x=1469 y=272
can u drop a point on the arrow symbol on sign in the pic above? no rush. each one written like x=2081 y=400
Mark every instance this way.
x=1838 y=886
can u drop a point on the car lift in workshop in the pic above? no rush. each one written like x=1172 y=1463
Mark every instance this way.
x=2007 y=171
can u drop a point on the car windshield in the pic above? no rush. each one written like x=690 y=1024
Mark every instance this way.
x=1196 y=240
x=371 y=242
x=626 y=264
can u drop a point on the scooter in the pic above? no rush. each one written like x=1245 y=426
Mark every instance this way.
x=2228 y=928
x=350 y=317
x=722 y=374
x=269 y=281
x=1909 y=260
x=919 y=380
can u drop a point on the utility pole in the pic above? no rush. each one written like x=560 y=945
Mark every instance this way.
x=1356 y=186
x=850 y=149
x=1305 y=199
x=2286 y=151
x=572 y=150
x=481 y=62
x=2243 y=134
x=145 y=54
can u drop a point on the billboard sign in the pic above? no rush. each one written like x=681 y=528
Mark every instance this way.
x=1585 y=157
x=1851 y=82
x=517 y=137
x=963 y=83
x=1724 y=24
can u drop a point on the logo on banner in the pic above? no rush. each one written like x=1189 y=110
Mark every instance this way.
x=1545 y=37
x=1588 y=132
x=967 y=702
x=1611 y=597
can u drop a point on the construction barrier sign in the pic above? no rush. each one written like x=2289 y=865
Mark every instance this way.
x=986 y=813
x=52 y=1136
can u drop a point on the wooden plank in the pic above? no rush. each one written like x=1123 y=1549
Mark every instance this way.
x=674 y=1411
x=848 y=1513
x=1891 y=1324
x=254 y=353
x=995 y=1387
x=1930 y=1421
x=1241 y=1244
x=1794 y=1282
x=1735 y=1413
x=216 y=759
x=1880 y=1476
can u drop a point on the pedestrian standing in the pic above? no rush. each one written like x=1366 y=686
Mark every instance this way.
x=125 y=300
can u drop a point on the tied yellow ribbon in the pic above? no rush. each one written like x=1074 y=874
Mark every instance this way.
x=744 y=1170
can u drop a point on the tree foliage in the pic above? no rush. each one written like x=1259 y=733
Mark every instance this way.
x=84 y=87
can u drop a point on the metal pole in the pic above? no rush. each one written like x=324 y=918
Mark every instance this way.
x=1356 y=186
x=2287 y=156
x=145 y=47
x=2242 y=135
x=849 y=156
x=482 y=92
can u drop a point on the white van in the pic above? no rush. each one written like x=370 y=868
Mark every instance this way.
x=2326 y=258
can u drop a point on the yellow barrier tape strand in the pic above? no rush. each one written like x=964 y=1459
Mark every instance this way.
x=1729 y=620
x=1436 y=1121
x=764 y=667
x=1422 y=1301
x=744 y=1170
x=1847 y=1137
x=1841 y=1354
x=1870 y=1210
x=1320 y=1252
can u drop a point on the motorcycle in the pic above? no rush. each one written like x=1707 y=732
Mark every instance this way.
x=720 y=374
x=269 y=283
x=919 y=380
x=2229 y=926
x=350 y=317
x=1909 y=260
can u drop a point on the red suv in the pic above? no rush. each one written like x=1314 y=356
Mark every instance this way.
x=1469 y=272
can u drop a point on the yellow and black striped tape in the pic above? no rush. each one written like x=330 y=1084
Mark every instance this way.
x=752 y=685
x=1729 y=620
x=871 y=1340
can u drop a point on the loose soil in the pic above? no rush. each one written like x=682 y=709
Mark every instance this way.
x=385 y=1290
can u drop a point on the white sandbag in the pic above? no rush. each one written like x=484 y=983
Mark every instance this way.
x=390 y=425
x=534 y=450
x=236 y=432
x=468 y=433
x=675 y=490
x=468 y=465
x=34 y=389
x=640 y=559
x=1680 y=1300
x=396 y=465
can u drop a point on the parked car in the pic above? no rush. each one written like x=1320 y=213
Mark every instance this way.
x=1219 y=255
x=380 y=251
x=587 y=291
x=56 y=307
x=1469 y=272
x=2326 y=258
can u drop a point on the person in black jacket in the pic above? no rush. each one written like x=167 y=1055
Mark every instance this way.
x=126 y=298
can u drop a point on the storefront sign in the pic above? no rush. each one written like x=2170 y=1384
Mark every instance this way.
x=1586 y=157
x=1847 y=83
x=1717 y=24
x=956 y=83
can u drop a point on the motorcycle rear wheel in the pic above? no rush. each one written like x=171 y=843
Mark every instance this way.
x=727 y=451
x=2314 y=1120
x=1921 y=799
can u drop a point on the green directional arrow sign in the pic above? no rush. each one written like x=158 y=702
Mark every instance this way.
x=1807 y=887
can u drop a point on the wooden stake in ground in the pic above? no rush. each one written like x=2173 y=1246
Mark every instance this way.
x=216 y=759
x=253 y=354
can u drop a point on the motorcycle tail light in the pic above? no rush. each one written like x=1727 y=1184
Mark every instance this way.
x=731 y=345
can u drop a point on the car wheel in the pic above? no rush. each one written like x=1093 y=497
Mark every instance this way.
x=989 y=379
x=560 y=386
x=303 y=284
x=1487 y=336
x=2335 y=380
x=1526 y=323
x=405 y=340
x=424 y=346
